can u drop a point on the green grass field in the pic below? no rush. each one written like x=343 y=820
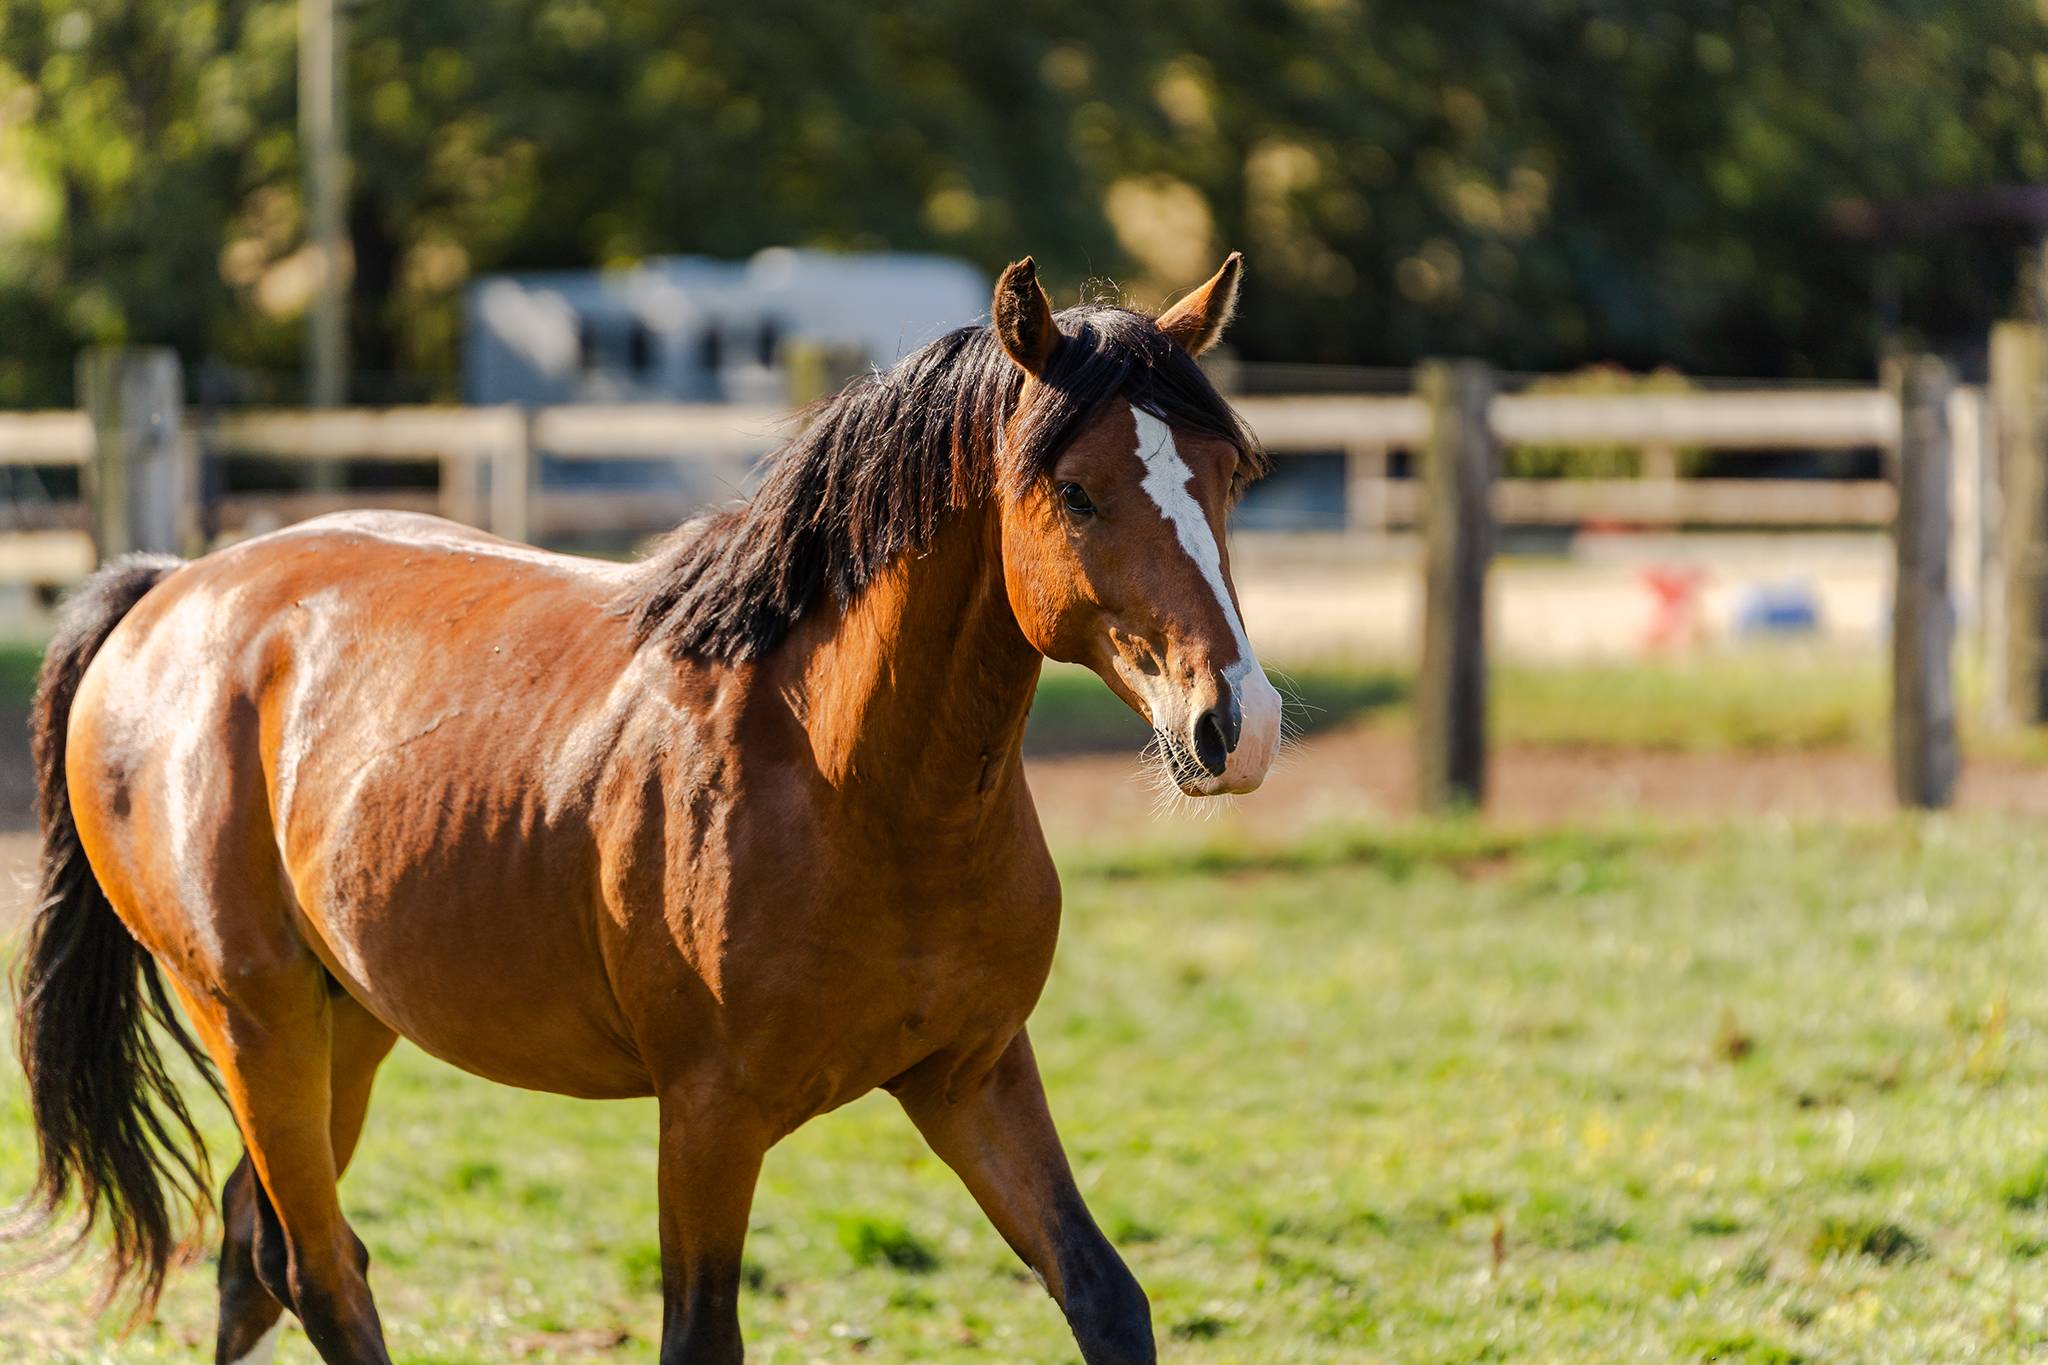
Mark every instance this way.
x=1432 y=1094
x=1749 y=699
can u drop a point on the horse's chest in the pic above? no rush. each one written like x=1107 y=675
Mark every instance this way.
x=954 y=1007
x=828 y=995
x=817 y=957
x=926 y=961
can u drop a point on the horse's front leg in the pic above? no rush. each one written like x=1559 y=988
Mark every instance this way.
x=709 y=1166
x=994 y=1130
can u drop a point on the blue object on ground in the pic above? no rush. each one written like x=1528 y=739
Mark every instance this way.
x=1788 y=608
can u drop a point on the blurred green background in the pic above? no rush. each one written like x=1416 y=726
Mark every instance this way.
x=1544 y=182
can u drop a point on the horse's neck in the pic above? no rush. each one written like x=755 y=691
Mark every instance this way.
x=919 y=690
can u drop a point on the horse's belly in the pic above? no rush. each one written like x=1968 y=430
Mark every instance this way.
x=510 y=994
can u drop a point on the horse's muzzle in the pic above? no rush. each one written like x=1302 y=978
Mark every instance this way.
x=1233 y=742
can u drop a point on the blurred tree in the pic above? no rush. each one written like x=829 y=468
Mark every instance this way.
x=1545 y=182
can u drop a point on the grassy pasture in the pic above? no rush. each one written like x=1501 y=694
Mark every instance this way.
x=1750 y=699
x=1429 y=1094
x=1786 y=697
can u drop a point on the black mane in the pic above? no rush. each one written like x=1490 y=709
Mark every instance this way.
x=882 y=464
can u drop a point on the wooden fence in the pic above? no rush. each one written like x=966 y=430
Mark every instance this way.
x=487 y=456
x=136 y=449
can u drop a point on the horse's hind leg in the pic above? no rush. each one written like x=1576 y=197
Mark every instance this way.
x=282 y=1042
x=250 y=1314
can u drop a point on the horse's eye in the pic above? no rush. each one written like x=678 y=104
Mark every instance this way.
x=1076 y=499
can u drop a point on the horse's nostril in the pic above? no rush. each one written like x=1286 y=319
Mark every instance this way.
x=1212 y=743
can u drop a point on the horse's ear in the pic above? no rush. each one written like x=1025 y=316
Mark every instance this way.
x=1197 y=321
x=1023 y=317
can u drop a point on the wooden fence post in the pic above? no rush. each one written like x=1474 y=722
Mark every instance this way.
x=1365 y=487
x=1923 y=619
x=513 y=471
x=2019 y=376
x=489 y=481
x=461 y=491
x=143 y=479
x=1450 y=692
x=1967 y=466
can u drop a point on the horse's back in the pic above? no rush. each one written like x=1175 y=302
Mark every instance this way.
x=398 y=547
x=364 y=621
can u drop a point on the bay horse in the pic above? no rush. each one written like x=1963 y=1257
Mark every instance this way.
x=742 y=826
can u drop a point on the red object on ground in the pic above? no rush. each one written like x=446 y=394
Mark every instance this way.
x=1674 y=622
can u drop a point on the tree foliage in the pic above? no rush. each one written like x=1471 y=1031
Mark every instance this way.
x=1545 y=182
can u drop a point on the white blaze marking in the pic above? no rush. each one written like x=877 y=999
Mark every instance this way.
x=1166 y=482
x=1167 y=477
x=265 y=1347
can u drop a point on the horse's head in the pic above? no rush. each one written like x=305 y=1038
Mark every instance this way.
x=1113 y=551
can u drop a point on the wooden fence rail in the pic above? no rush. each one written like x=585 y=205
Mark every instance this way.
x=45 y=438
x=487 y=455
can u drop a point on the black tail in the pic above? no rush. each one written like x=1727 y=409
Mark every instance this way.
x=110 y=1123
